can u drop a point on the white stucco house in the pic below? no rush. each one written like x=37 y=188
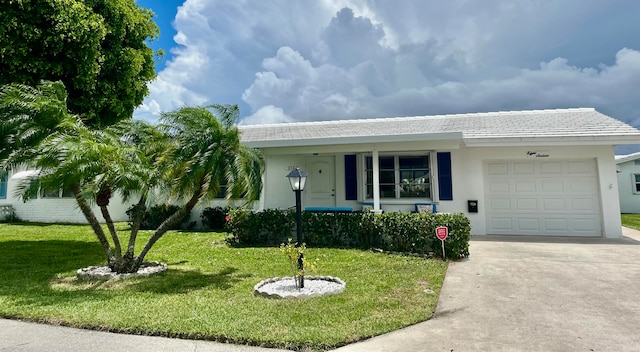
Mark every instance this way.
x=53 y=206
x=543 y=172
x=628 y=168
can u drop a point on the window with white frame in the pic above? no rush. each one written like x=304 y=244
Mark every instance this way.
x=401 y=176
x=635 y=180
x=3 y=186
x=56 y=193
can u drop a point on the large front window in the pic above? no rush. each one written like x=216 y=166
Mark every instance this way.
x=401 y=176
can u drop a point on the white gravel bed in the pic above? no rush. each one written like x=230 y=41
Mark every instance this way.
x=285 y=287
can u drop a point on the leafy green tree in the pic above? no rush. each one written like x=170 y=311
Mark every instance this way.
x=97 y=48
x=187 y=157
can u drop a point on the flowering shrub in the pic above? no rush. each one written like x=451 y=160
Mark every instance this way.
x=215 y=218
x=400 y=232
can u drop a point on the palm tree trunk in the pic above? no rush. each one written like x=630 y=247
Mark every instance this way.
x=114 y=235
x=95 y=224
x=135 y=228
x=167 y=224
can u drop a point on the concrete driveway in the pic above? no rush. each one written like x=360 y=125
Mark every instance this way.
x=532 y=294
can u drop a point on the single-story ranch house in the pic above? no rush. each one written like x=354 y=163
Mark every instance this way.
x=543 y=172
x=546 y=172
x=629 y=182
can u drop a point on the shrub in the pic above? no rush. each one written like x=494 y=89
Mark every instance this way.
x=214 y=218
x=269 y=227
x=399 y=232
x=155 y=215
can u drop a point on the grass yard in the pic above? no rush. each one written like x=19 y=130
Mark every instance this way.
x=207 y=293
x=631 y=221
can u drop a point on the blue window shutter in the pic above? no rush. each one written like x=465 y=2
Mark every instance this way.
x=350 y=177
x=445 y=184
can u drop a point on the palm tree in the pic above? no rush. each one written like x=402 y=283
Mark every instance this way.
x=28 y=115
x=188 y=156
x=205 y=151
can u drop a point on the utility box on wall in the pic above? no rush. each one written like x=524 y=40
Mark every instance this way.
x=472 y=206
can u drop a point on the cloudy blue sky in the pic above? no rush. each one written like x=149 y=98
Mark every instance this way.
x=310 y=60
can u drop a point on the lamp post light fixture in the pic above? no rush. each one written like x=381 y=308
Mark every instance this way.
x=297 y=180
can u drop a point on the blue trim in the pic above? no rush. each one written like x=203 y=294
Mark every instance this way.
x=329 y=209
x=350 y=178
x=445 y=180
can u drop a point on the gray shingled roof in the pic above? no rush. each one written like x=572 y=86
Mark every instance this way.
x=582 y=126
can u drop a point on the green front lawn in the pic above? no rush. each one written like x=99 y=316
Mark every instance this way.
x=631 y=221
x=207 y=293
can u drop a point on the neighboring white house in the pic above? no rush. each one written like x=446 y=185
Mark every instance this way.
x=53 y=206
x=544 y=172
x=59 y=206
x=629 y=182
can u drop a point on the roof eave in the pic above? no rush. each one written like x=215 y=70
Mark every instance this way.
x=354 y=140
x=612 y=140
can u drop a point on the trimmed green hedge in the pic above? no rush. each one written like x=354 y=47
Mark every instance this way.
x=398 y=232
x=155 y=215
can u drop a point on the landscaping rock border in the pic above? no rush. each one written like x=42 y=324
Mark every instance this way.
x=104 y=272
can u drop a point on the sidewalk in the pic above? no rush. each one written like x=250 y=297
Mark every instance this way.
x=17 y=336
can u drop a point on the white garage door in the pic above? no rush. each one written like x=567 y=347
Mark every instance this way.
x=543 y=198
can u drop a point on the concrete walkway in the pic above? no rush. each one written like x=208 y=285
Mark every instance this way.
x=512 y=294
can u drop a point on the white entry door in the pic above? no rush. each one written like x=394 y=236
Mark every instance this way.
x=543 y=198
x=321 y=182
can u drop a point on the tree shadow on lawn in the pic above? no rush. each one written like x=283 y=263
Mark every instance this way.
x=42 y=273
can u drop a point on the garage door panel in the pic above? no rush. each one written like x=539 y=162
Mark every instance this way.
x=584 y=205
x=543 y=198
x=498 y=168
x=583 y=185
x=585 y=224
x=525 y=186
x=500 y=204
x=553 y=204
x=582 y=167
x=528 y=224
x=499 y=186
x=502 y=225
x=551 y=185
x=526 y=204
x=527 y=168
x=551 y=168
x=556 y=226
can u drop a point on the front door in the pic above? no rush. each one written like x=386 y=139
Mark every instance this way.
x=321 y=182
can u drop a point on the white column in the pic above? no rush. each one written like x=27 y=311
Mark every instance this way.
x=376 y=182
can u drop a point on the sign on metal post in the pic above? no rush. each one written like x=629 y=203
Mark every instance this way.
x=442 y=232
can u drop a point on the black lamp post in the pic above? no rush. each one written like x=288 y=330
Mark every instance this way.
x=298 y=179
